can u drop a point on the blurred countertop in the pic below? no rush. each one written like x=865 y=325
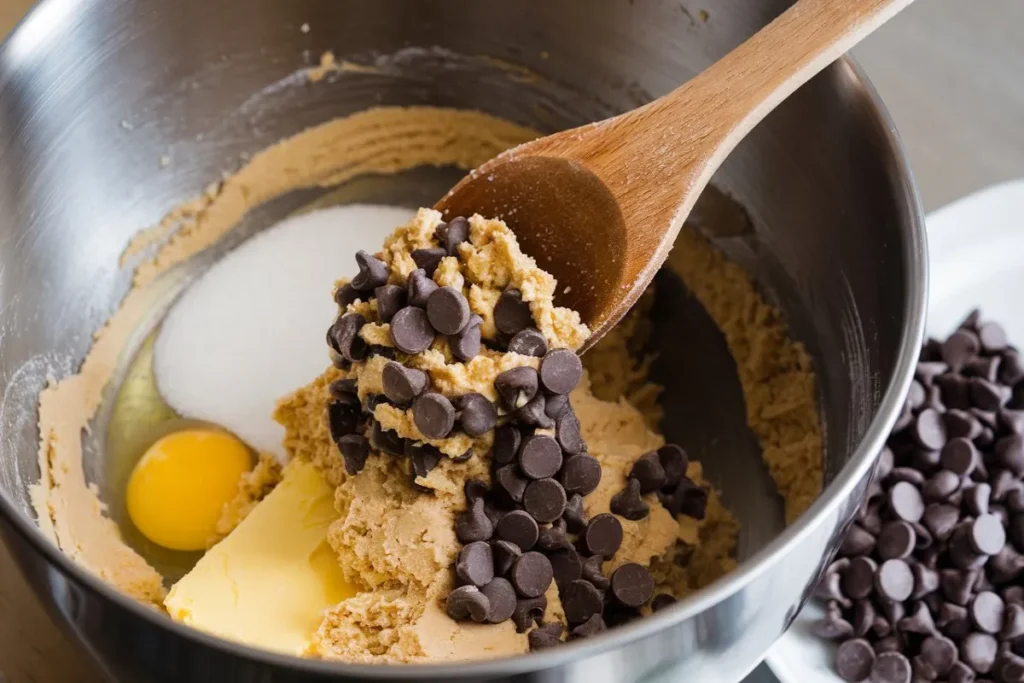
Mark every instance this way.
x=949 y=72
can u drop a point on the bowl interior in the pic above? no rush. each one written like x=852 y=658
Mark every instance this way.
x=88 y=119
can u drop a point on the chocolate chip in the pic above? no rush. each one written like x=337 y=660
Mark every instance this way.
x=511 y=313
x=906 y=474
x=977 y=498
x=355 y=449
x=567 y=431
x=1003 y=482
x=1013 y=622
x=390 y=300
x=1011 y=420
x=528 y=342
x=401 y=384
x=465 y=345
x=434 y=415
x=467 y=602
x=345 y=295
x=987 y=612
x=475 y=564
x=428 y=259
x=580 y=474
x=688 y=499
x=926 y=580
x=674 y=462
x=386 y=440
x=978 y=651
x=373 y=272
x=344 y=390
x=531 y=574
x=960 y=456
x=590 y=627
x=473 y=524
x=918 y=621
x=502 y=599
x=987 y=395
x=864 y=616
x=632 y=585
x=566 y=566
x=930 y=430
x=940 y=653
x=891 y=667
x=591 y=571
x=896 y=541
x=940 y=520
x=941 y=485
x=858 y=578
x=545 y=636
x=529 y=611
x=534 y=414
x=448 y=310
x=511 y=481
x=411 y=331
x=574 y=517
x=829 y=588
x=628 y=504
x=832 y=626
x=419 y=287
x=342 y=419
x=603 y=535
x=857 y=542
x=894 y=580
x=553 y=537
x=854 y=660
x=649 y=473
x=987 y=535
x=581 y=600
x=343 y=337
x=455 y=233
x=560 y=371
x=905 y=502
x=870 y=518
x=557 y=405
x=926 y=372
x=520 y=528
x=923 y=539
x=661 y=601
x=544 y=499
x=507 y=439
x=992 y=337
x=1010 y=454
x=505 y=555
x=516 y=387
x=1010 y=369
x=958 y=348
x=1010 y=668
x=476 y=415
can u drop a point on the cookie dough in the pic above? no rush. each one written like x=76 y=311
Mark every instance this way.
x=397 y=544
x=401 y=619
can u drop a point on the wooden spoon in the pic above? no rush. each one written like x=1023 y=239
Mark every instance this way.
x=600 y=206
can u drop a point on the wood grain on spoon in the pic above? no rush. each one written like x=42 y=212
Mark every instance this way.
x=600 y=206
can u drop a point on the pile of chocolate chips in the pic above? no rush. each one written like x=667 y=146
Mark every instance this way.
x=417 y=314
x=927 y=584
x=528 y=528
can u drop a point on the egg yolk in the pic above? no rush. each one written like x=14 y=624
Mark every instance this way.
x=180 y=485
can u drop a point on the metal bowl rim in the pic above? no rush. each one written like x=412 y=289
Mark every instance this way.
x=914 y=304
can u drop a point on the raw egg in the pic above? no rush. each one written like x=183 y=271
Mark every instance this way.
x=180 y=485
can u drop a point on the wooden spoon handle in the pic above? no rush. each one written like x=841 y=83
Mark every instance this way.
x=728 y=99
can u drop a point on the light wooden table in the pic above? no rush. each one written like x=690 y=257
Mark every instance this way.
x=950 y=73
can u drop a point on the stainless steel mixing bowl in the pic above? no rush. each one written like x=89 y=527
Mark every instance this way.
x=94 y=92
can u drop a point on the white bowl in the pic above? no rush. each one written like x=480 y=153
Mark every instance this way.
x=974 y=252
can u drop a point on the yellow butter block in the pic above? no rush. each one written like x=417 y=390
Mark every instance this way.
x=268 y=582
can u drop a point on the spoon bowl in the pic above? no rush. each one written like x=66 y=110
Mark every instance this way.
x=600 y=206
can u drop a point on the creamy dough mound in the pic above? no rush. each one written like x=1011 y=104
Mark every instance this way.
x=397 y=544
